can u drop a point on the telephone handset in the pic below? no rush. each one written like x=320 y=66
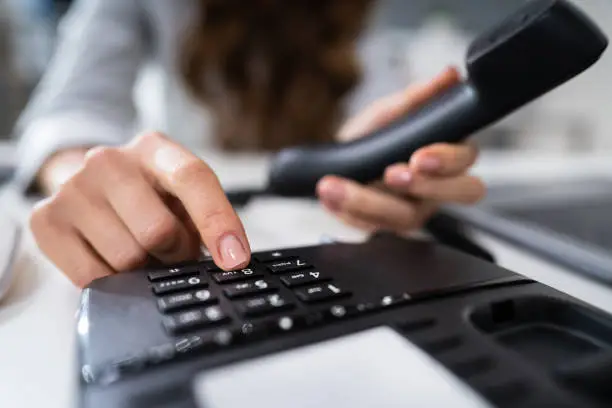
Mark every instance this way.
x=540 y=47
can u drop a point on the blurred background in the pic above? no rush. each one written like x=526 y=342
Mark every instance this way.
x=416 y=37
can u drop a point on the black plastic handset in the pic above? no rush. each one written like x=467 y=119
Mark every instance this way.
x=538 y=48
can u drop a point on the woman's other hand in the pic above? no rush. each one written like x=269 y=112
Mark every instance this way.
x=409 y=192
x=148 y=200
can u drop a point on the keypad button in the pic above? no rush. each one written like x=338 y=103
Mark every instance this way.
x=194 y=319
x=288 y=323
x=303 y=278
x=234 y=276
x=177 y=285
x=395 y=300
x=173 y=273
x=249 y=288
x=251 y=331
x=179 y=301
x=366 y=307
x=223 y=338
x=190 y=345
x=313 y=319
x=161 y=354
x=321 y=293
x=263 y=305
x=288 y=266
x=131 y=364
x=338 y=312
x=273 y=256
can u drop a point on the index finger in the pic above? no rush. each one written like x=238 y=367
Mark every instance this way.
x=179 y=172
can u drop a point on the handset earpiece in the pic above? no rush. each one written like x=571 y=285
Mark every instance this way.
x=541 y=46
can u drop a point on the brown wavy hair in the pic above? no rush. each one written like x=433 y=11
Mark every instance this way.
x=274 y=73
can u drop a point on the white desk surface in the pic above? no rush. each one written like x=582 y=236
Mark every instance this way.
x=37 y=318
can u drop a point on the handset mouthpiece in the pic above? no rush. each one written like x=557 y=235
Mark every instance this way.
x=541 y=46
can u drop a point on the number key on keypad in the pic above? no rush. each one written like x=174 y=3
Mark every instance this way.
x=248 y=288
x=321 y=293
x=287 y=266
x=302 y=278
x=194 y=319
x=175 y=272
x=177 y=285
x=183 y=300
x=264 y=305
x=233 y=276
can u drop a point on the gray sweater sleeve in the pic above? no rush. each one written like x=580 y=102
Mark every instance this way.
x=86 y=96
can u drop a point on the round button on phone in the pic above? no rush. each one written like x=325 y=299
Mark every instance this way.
x=194 y=281
x=202 y=295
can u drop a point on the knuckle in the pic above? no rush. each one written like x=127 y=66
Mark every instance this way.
x=39 y=217
x=128 y=260
x=477 y=192
x=147 y=139
x=71 y=187
x=101 y=156
x=70 y=195
x=44 y=216
x=214 y=219
x=192 y=172
x=161 y=234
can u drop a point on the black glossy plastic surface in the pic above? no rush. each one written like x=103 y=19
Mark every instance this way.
x=464 y=313
x=546 y=331
x=543 y=45
x=383 y=266
x=567 y=222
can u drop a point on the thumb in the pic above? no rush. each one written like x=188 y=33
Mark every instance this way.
x=385 y=110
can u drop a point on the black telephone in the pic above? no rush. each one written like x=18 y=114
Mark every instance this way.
x=180 y=336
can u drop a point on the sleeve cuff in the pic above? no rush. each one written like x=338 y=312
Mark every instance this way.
x=44 y=137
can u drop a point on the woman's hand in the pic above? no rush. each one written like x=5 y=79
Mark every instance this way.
x=409 y=192
x=150 y=199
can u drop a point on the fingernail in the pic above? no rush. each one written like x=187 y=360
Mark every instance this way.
x=232 y=252
x=400 y=176
x=430 y=163
x=333 y=195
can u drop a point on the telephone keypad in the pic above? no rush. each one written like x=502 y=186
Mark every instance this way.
x=277 y=293
x=290 y=265
x=177 y=285
x=195 y=319
x=236 y=276
x=173 y=273
x=263 y=305
x=184 y=300
x=303 y=278
x=252 y=292
x=243 y=289
x=320 y=293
